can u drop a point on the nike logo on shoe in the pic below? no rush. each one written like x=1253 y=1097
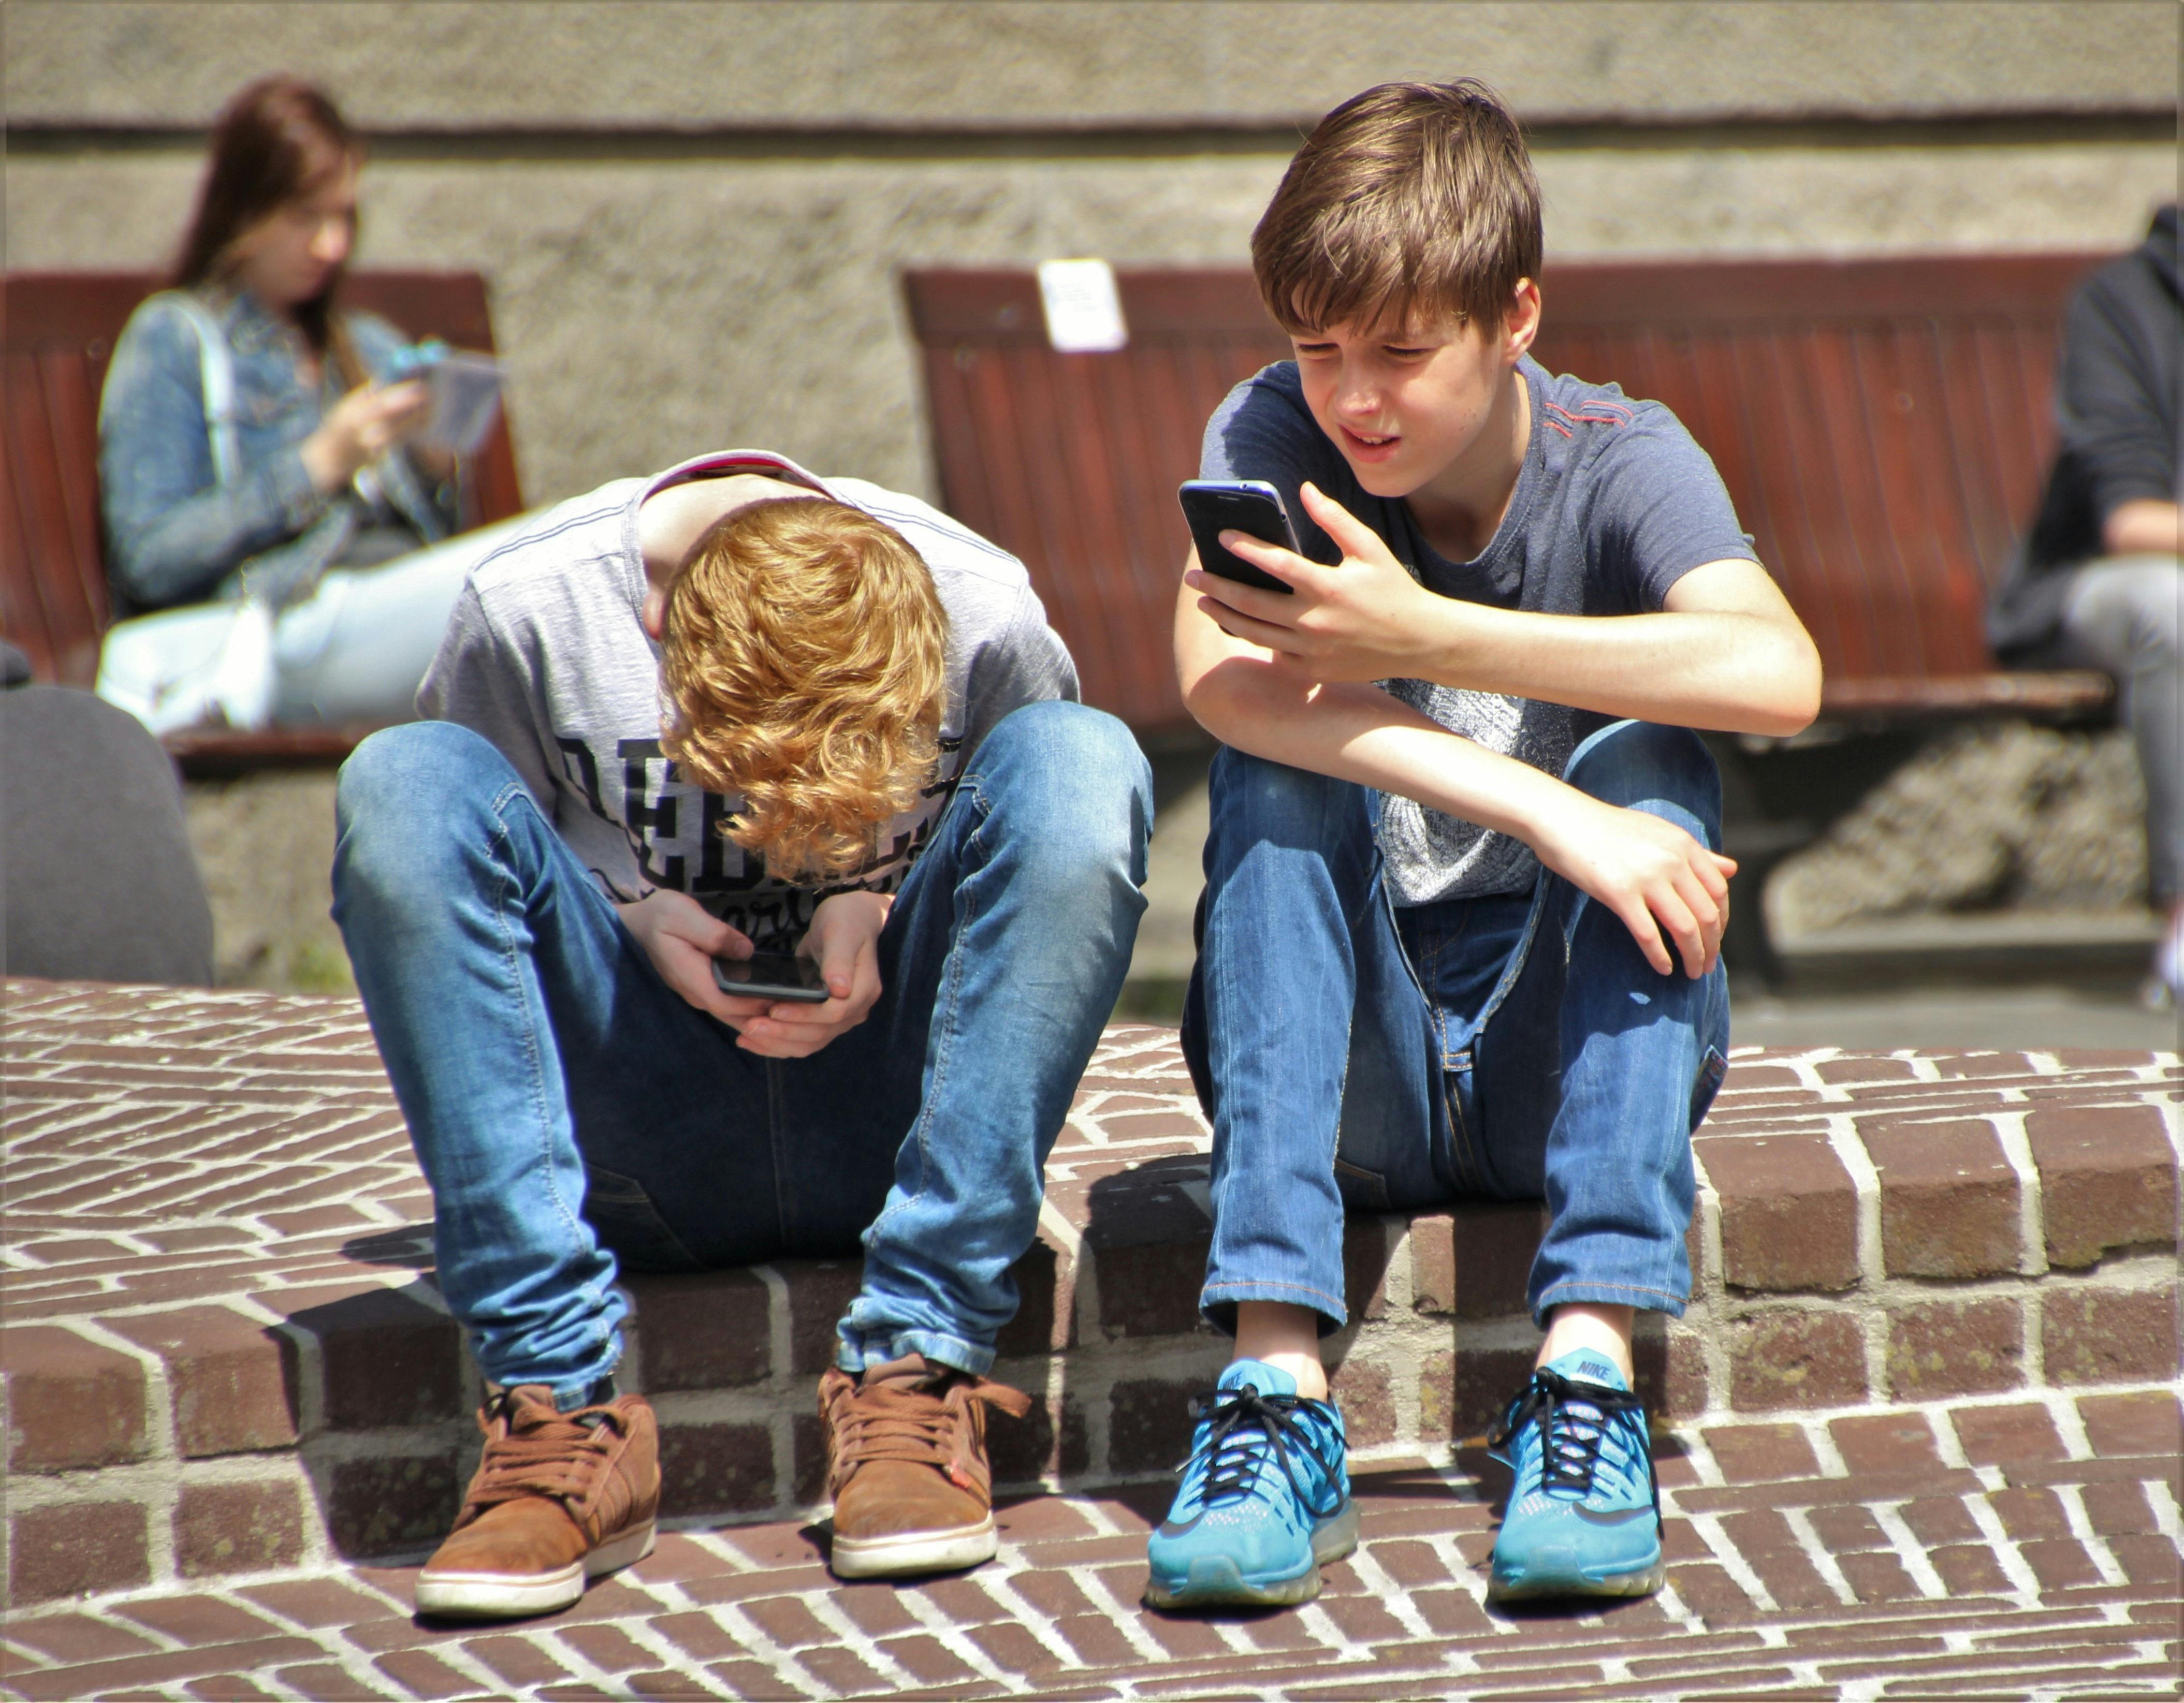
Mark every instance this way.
x=1612 y=1517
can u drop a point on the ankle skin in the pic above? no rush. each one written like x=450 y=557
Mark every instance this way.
x=1285 y=1337
x=1604 y=1329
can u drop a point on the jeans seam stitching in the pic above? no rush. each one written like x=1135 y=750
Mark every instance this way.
x=1220 y=1291
x=1619 y=1288
x=501 y=840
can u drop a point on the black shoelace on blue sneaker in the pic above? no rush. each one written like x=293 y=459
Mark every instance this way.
x=1569 y=1443
x=1234 y=1462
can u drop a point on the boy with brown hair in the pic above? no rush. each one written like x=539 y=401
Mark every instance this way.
x=1464 y=898
x=735 y=709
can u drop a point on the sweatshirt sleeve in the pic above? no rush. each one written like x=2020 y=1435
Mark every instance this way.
x=1025 y=663
x=2110 y=419
x=489 y=681
x=171 y=531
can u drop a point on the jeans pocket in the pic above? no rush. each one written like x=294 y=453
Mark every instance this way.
x=1365 y=1190
x=618 y=1208
x=1711 y=1069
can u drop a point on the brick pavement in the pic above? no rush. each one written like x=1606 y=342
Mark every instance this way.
x=227 y=1361
x=2027 y=1548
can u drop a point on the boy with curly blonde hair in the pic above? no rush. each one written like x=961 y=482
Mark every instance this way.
x=729 y=709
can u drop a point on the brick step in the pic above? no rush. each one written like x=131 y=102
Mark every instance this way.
x=225 y=1351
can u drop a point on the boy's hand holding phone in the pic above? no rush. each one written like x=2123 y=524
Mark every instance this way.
x=845 y=939
x=683 y=938
x=1365 y=619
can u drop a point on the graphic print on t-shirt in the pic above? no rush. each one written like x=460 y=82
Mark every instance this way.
x=675 y=831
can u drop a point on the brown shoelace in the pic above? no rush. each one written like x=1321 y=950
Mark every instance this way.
x=890 y=1422
x=543 y=1453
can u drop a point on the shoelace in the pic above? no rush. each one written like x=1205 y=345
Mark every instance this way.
x=1234 y=1460
x=1570 y=1442
x=916 y=1425
x=543 y=1453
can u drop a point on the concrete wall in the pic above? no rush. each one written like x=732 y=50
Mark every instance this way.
x=693 y=215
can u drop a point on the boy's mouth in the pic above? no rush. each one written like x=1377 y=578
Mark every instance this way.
x=1365 y=446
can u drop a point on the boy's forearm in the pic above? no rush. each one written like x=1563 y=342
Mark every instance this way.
x=1732 y=672
x=1360 y=734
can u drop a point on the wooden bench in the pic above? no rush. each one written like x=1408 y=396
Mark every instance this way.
x=1883 y=427
x=60 y=330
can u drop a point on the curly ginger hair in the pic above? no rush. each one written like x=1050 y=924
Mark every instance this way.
x=804 y=657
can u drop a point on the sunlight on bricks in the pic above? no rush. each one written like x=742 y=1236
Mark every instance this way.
x=227 y=1370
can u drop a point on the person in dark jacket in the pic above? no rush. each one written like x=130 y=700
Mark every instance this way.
x=2098 y=583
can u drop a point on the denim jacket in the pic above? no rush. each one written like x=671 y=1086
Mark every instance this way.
x=173 y=533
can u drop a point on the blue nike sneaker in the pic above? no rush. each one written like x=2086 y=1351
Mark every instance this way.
x=1265 y=1498
x=1585 y=1513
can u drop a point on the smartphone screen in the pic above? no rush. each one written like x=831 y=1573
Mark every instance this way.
x=1249 y=506
x=788 y=976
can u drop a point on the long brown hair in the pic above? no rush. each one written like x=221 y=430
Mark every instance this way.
x=276 y=141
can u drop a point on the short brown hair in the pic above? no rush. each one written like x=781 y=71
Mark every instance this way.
x=1409 y=198
x=804 y=654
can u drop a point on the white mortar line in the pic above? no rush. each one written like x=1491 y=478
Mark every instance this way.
x=1889 y=1516
x=820 y=1603
x=1872 y=1261
x=956 y=1642
x=2163 y=1500
x=1392 y=1596
x=1799 y=1522
x=2007 y=1555
x=2032 y=1203
x=1826 y=1455
x=671 y=1658
x=1678 y=1609
x=2069 y=1423
x=2072 y=1497
x=164 y=1449
x=1001 y=1584
x=1127 y=1625
x=1725 y=1555
x=1316 y=1621
x=753 y=1642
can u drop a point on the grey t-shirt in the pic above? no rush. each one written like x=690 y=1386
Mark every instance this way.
x=1614 y=504
x=546 y=656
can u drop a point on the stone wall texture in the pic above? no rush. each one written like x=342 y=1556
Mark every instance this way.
x=694 y=217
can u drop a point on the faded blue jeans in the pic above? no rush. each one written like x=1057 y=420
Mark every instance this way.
x=1517 y=1047
x=571 y=1111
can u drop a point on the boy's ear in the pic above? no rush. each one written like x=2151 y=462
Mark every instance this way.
x=652 y=615
x=1520 y=320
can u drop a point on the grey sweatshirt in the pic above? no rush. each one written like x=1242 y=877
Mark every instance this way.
x=545 y=655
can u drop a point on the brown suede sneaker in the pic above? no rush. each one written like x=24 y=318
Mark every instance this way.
x=906 y=1449
x=559 y=1499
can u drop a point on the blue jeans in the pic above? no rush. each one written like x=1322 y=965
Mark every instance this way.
x=1516 y=1047
x=571 y=1111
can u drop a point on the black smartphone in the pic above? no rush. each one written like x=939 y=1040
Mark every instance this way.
x=1249 y=506
x=770 y=976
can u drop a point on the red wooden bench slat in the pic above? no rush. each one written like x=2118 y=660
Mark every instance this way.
x=60 y=330
x=1881 y=424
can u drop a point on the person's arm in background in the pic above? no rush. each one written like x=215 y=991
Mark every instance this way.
x=172 y=532
x=2143 y=527
x=2118 y=427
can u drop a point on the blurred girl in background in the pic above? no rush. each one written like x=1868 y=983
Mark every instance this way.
x=267 y=514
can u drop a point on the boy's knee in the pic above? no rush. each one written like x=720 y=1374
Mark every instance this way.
x=400 y=795
x=1273 y=802
x=1077 y=767
x=1644 y=765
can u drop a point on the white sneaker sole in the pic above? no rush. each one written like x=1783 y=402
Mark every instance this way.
x=915 y=1552
x=505 y=1596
